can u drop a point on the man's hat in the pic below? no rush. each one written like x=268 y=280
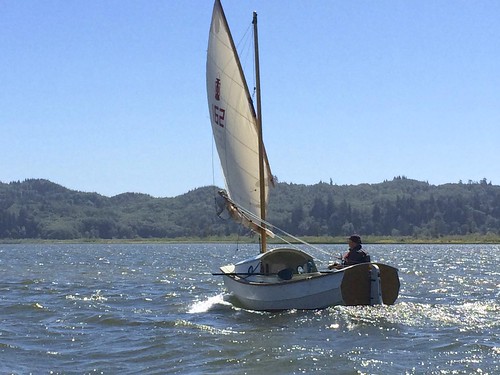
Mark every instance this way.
x=355 y=238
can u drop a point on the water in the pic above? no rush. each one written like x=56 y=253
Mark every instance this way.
x=156 y=309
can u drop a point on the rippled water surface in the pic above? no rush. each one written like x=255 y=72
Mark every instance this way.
x=156 y=309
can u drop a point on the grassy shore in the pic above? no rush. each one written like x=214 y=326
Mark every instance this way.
x=468 y=239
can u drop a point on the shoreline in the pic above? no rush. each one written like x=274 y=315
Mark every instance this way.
x=376 y=240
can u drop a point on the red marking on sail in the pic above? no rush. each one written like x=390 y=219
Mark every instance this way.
x=217 y=89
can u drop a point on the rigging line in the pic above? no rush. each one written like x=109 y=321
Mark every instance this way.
x=258 y=221
x=305 y=243
x=244 y=39
x=213 y=167
x=244 y=48
x=213 y=176
x=243 y=43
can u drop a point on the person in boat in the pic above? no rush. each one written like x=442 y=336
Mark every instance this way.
x=355 y=254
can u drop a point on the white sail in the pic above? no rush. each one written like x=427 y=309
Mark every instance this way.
x=233 y=118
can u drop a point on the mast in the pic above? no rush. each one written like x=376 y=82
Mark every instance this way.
x=262 y=185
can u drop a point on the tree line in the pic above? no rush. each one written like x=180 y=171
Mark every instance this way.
x=40 y=209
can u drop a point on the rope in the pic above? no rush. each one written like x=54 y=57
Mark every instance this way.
x=259 y=222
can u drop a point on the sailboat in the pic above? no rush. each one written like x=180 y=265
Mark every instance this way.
x=281 y=278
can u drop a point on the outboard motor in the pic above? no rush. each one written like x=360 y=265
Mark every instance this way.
x=375 y=288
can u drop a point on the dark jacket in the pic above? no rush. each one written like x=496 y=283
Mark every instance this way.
x=355 y=255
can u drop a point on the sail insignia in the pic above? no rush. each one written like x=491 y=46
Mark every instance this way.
x=233 y=118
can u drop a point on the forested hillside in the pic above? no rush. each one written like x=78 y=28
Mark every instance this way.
x=40 y=209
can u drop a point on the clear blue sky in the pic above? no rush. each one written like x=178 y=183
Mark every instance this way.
x=110 y=96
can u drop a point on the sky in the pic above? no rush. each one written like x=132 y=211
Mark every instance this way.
x=110 y=96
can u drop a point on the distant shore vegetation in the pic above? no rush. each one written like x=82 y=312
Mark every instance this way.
x=374 y=240
x=397 y=211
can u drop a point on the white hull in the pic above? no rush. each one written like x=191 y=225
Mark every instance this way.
x=315 y=292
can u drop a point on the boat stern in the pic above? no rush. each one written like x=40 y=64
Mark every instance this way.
x=370 y=284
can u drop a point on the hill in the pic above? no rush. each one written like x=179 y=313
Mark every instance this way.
x=40 y=209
